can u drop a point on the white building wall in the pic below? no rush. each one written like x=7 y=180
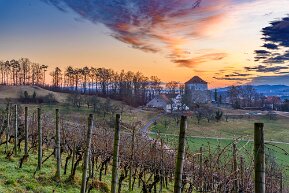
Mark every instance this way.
x=198 y=86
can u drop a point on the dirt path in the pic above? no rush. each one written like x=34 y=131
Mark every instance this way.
x=145 y=129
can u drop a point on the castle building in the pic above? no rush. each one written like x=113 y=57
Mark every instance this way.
x=197 y=90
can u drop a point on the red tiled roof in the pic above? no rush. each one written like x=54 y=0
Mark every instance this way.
x=196 y=80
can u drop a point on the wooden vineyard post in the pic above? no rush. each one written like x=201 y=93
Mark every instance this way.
x=86 y=155
x=15 y=129
x=180 y=156
x=73 y=157
x=114 y=180
x=26 y=130
x=162 y=167
x=7 y=128
x=242 y=174
x=201 y=170
x=39 y=138
x=131 y=160
x=259 y=158
x=58 y=148
x=281 y=182
x=235 y=169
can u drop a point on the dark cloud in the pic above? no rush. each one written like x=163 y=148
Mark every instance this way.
x=234 y=76
x=272 y=80
x=277 y=58
x=277 y=32
x=237 y=74
x=231 y=79
x=276 y=38
x=262 y=52
x=270 y=46
x=263 y=68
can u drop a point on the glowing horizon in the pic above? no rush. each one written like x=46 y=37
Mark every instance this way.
x=214 y=40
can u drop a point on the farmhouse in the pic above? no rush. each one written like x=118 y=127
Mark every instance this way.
x=197 y=90
x=168 y=102
x=161 y=101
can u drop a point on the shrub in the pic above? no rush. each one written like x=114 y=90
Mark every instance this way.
x=50 y=99
x=219 y=115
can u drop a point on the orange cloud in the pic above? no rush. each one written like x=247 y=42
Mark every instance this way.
x=190 y=63
x=156 y=26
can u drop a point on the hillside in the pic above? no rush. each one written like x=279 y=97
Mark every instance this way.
x=13 y=92
x=267 y=90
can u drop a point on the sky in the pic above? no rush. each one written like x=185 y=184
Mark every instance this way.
x=225 y=42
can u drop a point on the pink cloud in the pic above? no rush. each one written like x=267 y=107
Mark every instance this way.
x=155 y=25
x=192 y=62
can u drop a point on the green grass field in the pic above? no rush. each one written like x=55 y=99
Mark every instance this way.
x=275 y=130
x=239 y=130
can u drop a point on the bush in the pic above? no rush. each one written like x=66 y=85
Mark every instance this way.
x=219 y=115
x=50 y=99
x=26 y=98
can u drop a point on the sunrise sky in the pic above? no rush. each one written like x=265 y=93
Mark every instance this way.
x=222 y=41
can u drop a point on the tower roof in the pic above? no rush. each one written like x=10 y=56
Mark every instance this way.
x=196 y=80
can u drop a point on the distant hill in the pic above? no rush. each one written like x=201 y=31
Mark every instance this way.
x=13 y=92
x=268 y=90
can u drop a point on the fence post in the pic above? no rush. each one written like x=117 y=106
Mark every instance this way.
x=281 y=182
x=26 y=130
x=235 y=169
x=162 y=167
x=8 y=128
x=242 y=174
x=180 y=156
x=131 y=160
x=58 y=150
x=39 y=138
x=86 y=155
x=259 y=155
x=73 y=157
x=201 y=170
x=16 y=129
x=115 y=155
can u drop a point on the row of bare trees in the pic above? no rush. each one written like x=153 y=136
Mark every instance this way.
x=133 y=88
x=146 y=163
x=22 y=72
x=245 y=96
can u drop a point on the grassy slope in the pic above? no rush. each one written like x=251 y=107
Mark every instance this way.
x=14 y=92
x=13 y=179
x=16 y=180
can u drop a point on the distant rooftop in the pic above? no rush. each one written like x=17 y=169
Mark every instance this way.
x=196 y=80
x=165 y=98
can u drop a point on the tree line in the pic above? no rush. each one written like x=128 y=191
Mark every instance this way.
x=246 y=96
x=133 y=88
x=22 y=72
